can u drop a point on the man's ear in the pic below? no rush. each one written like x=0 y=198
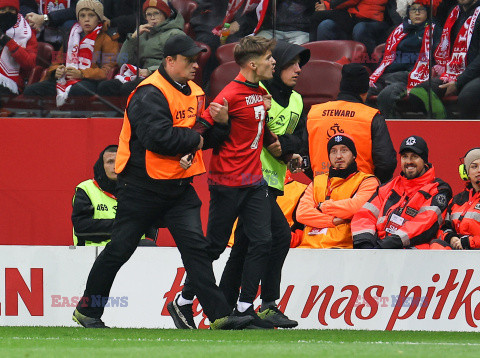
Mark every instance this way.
x=252 y=64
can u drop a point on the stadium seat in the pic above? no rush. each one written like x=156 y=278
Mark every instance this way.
x=186 y=8
x=319 y=82
x=335 y=50
x=43 y=62
x=202 y=61
x=377 y=53
x=220 y=77
x=224 y=53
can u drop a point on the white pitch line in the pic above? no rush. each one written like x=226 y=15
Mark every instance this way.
x=240 y=341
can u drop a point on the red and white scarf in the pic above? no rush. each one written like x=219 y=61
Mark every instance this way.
x=451 y=66
x=235 y=5
x=9 y=68
x=47 y=6
x=127 y=73
x=420 y=71
x=79 y=56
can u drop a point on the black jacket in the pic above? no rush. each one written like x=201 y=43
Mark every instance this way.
x=152 y=128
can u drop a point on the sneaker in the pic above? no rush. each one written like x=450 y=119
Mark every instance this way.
x=257 y=322
x=231 y=322
x=87 y=322
x=276 y=317
x=182 y=315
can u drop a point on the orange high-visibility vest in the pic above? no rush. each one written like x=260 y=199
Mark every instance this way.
x=184 y=111
x=339 y=236
x=340 y=117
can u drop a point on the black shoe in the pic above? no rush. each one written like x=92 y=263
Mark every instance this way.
x=231 y=322
x=276 y=317
x=87 y=322
x=182 y=315
x=257 y=322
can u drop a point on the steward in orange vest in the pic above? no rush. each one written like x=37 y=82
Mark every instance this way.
x=154 y=188
x=349 y=114
x=330 y=202
x=408 y=211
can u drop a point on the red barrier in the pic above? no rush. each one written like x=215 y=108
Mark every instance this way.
x=43 y=159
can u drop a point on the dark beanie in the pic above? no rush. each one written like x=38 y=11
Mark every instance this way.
x=355 y=78
x=342 y=139
x=416 y=145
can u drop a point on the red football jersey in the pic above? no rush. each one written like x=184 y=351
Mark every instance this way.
x=237 y=161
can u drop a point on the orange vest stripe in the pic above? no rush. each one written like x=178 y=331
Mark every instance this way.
x=184 y=111
x=336 y=117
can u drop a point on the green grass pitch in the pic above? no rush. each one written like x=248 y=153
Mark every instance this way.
x=116 y=342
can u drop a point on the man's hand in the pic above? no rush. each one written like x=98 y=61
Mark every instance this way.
x=142 y=28
x=275 y=149
x=200 y=145
x=456 y=243
x=320 y=6
x=35 y=20
x=295 y=164
x=60 y=71
x=338 y=221
x=267 y=101
x=234 y=27
x=186 y=161
x=219 y=112
x=73 y=74
x=143 y=72
x=451 y=88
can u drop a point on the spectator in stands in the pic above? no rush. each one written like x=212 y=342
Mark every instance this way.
x=52 y=19
x=286 y=119
x=161 y=24
x=121 y=16
x=95 y=203
x=89 y=54
x=358 y=20
x=457 y=69
x=207 y=21
x=349 y=114
x=405 y=61
x=18 y=48
x=461 y=229
x=292 y=20
x=408 y=211
x=332 y=199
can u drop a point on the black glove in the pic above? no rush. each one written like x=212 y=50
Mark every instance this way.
x=391 y=242
x=3 y=38
x=465 y=241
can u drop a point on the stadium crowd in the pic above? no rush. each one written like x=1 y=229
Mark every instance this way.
x=41 y=69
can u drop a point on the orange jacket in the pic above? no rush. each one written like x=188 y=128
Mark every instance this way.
x=346 y=198
x=463 y=219
x=368 y=9
x=402 y=213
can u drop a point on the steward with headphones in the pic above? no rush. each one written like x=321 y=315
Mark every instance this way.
x=461 y=229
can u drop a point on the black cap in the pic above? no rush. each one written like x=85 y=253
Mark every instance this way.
x=416 y=145
x=181 y=45
x=355 y=78
x=342 y=139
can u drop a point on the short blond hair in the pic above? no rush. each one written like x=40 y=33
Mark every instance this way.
x=250 y=47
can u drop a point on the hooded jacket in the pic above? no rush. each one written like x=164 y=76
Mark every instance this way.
x=151 y=43
x=85 y=226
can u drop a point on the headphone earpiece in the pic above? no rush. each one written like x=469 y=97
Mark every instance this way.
x=463 y=172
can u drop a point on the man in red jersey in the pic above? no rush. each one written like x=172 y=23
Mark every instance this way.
x=237 y=187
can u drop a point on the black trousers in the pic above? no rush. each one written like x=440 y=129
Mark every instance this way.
x=114 y=88
x=138 y=209
x=281 y=237
x=48 y=88
x=252 y=206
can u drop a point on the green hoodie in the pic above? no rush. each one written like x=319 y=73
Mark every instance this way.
x=151 y=44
